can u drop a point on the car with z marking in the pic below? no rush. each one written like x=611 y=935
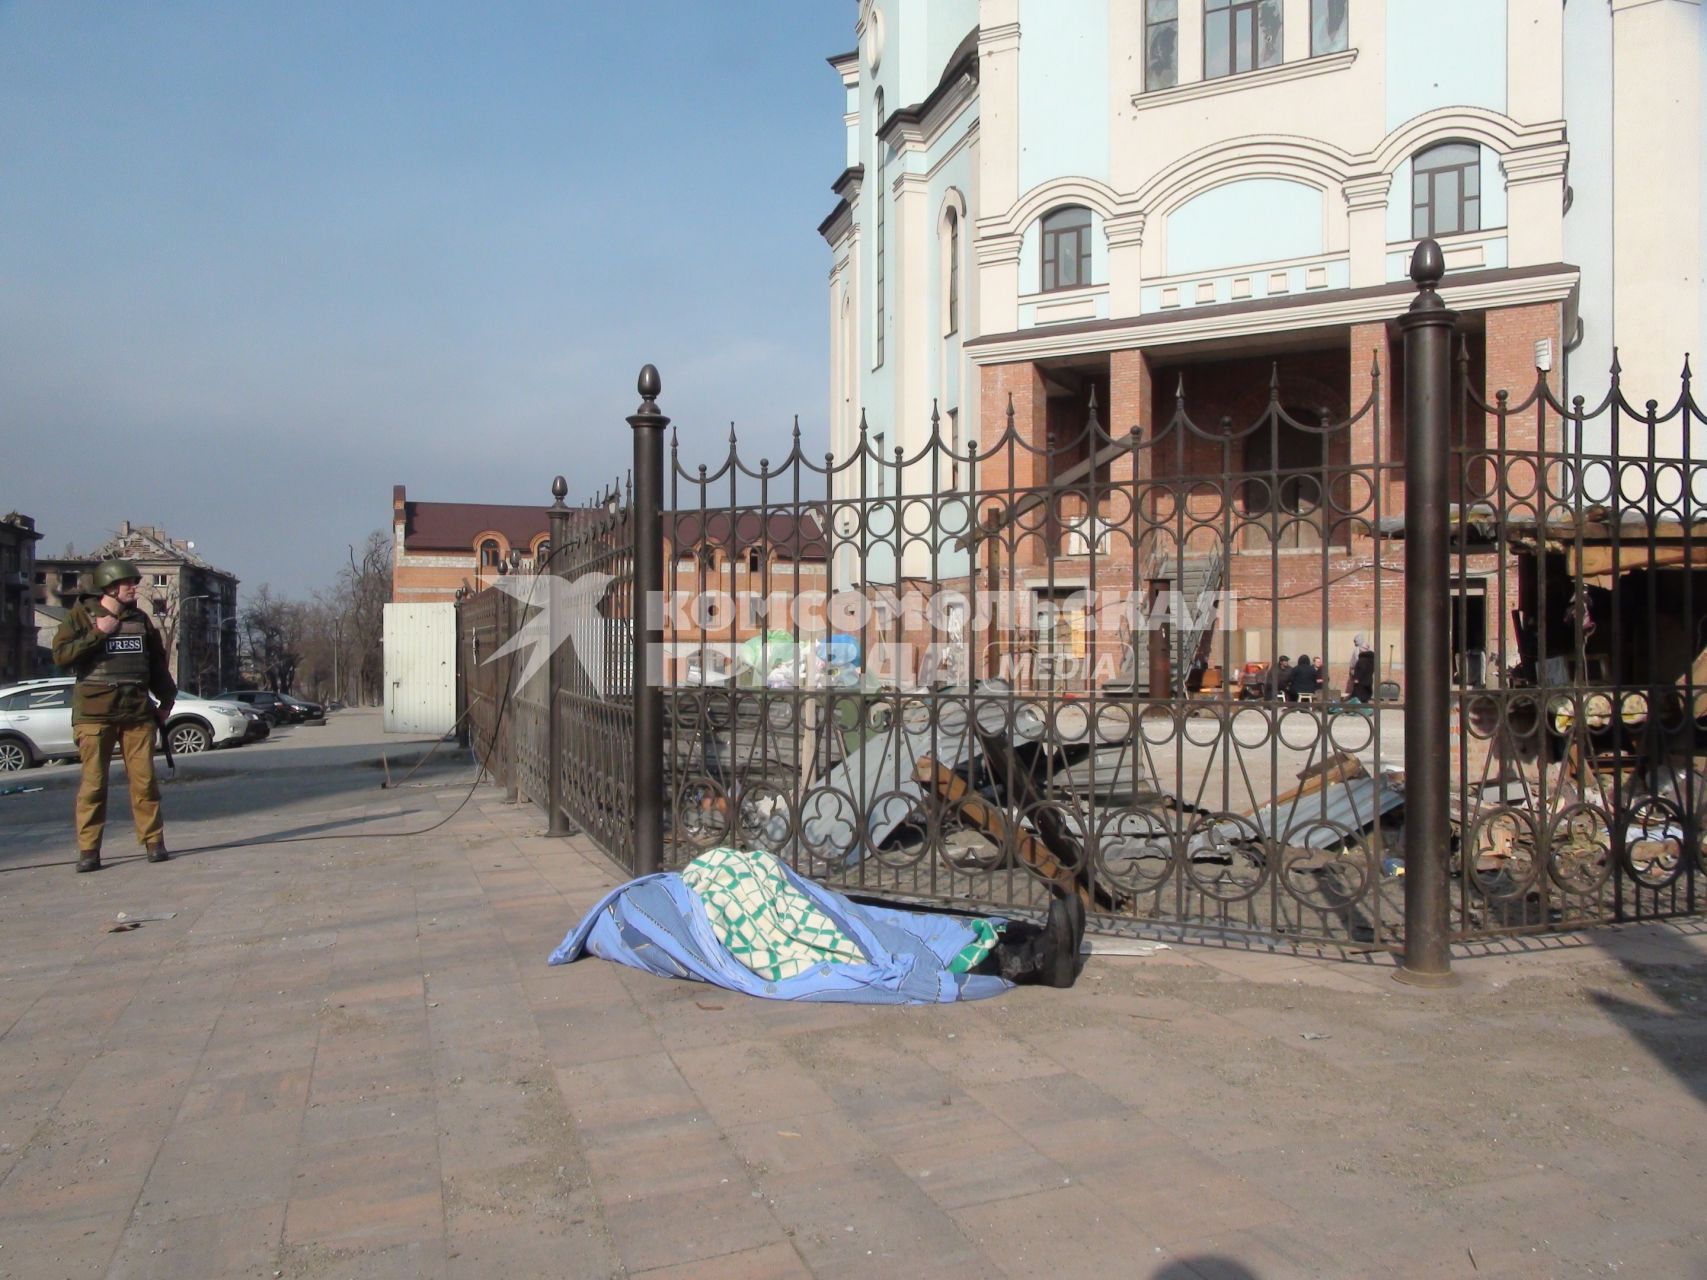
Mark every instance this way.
x=35 y=724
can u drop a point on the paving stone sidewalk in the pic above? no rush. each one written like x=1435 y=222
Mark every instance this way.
x=347 y=1058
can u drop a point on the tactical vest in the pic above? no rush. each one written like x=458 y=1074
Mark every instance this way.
x=124 y=658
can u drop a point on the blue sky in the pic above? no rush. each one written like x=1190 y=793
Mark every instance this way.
x=260 y=262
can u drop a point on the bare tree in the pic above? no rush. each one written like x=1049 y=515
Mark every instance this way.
x=272 y=639
x=363 y=590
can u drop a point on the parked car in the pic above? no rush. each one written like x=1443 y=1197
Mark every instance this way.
x=35 y=724
x=270 y=704
x=307 y=712
x=199 y=724
x=259 y=727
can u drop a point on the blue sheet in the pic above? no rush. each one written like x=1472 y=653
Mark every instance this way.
x=658 y=924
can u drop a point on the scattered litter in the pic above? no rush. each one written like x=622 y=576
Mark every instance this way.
x=124 y=926
x=1314 y=1035
x=786 y=1133
x=709 y=1008
x=1121 y=947
x=18 y=791
x=138 y=917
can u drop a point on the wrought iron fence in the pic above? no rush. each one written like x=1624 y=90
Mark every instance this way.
x=974 y=673
x=1579 y=552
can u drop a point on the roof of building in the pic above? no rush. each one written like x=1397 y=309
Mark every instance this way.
x=21 y=523
x=455 y=525
x=744 y=527
x=147 y=544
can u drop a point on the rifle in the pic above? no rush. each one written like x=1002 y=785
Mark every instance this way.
x=165 y=743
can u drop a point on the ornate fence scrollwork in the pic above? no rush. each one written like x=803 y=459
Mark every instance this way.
x=968 y=672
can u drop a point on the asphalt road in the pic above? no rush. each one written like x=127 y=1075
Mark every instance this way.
x=301 y=781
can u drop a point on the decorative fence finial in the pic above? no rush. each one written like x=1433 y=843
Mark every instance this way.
x=649 y=384
x=559 y=491
x=1428 y=266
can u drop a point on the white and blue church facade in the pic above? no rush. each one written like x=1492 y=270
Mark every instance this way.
x=1044 y=200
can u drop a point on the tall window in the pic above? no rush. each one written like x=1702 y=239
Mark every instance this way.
x=1446 y=190
x=1240 y=35
x=1161 y=44
x=951 y=302
x=541 y=554
x=882 y=194
x=1327 y=26
x=1066 y=249
x=489 y=557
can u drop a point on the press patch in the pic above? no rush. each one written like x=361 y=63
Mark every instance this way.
x=124 y=644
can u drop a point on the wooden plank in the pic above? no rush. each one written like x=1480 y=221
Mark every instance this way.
x=1338 y=767
x=952 y=789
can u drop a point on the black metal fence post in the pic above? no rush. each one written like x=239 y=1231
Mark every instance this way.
x=1427 y=329
x=557 y=518
x=647 y=676
x=512 y=616
x=462 y=711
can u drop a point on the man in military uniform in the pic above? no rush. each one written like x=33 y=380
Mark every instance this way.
x=117 y=655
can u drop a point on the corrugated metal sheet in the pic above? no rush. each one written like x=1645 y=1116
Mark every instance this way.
x=1318 y=821
x=420 y=668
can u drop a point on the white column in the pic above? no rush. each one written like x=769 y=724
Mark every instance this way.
x=1656 y=184
x=1366 y=228
x=1125 y=264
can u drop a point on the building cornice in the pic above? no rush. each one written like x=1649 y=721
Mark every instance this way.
x=997 y=250
x=1543 y=162
x=1468 y=291
x=1002 y=38
x=1299 y=70
x=849 y=177
x=1368 y=191
x=834 y=227
x=1124 y=229
x=921 y=124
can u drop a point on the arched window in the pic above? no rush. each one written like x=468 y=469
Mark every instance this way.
x=490 y=557
x=951 y=302
x=1446 y=190
x=541 y=554
x=1066 y=248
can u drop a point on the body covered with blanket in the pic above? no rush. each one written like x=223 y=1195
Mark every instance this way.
x=747 y=922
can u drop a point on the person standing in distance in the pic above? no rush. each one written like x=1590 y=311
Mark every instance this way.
x=117 y=656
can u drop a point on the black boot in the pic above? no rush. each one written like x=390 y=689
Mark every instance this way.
x=1050 y=955
x=89 y=861
x=1024 y=963
x=157 y=852
x=1075 y=927
x=1066 y=933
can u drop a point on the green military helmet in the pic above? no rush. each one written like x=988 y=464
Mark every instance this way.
x=111 y=572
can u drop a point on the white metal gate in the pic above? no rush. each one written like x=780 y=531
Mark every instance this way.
x=420 y=668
